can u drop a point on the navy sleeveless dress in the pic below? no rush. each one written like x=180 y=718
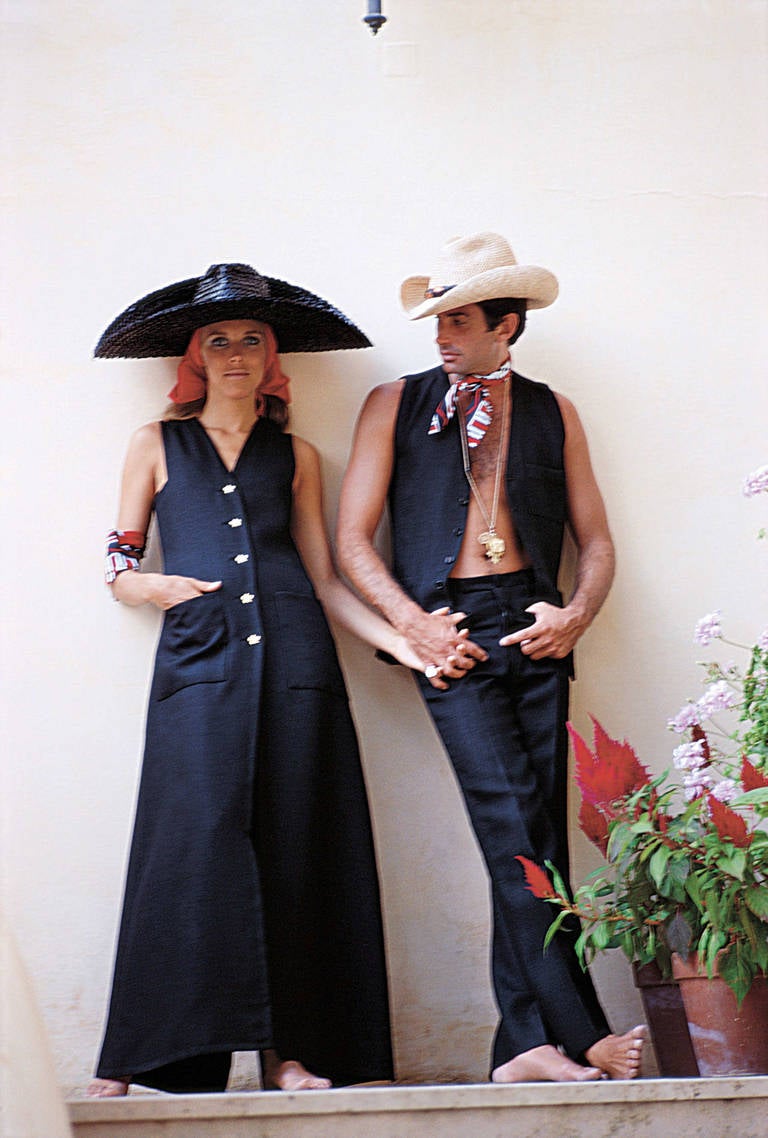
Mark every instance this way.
x=251 y=913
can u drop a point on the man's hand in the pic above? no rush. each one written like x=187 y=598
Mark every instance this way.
x=553 y=633
x=445 y=649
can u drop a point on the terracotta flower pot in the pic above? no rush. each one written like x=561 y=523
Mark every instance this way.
x=667 y=1022
x=727 y=1040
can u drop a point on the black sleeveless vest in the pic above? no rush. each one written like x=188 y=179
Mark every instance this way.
x=429 y=495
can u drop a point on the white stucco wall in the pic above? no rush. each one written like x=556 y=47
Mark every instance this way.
x=618 y=142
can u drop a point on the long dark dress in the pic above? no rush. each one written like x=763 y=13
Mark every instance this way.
x=251 y=913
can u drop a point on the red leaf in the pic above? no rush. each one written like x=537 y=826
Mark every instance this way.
x=537 y=879
x=585 y=764
x=623 y=772
x=595 y=825
x=751 y=777
x=610 y=773
x=699 y=735
x=729 y=825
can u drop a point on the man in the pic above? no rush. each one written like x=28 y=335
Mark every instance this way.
x=482 y=469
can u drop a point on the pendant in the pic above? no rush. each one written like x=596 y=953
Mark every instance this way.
x=495 y=546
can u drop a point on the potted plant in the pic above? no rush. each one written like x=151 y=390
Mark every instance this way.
x=685 y=886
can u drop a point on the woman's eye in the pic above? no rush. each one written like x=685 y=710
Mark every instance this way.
x=252 y=341
x=218 y=342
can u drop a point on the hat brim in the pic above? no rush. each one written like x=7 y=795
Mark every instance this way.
x=162 y=323
x=537 y=286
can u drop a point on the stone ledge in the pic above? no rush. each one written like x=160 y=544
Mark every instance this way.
x=645 y=1108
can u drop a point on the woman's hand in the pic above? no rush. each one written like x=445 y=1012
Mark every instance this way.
x=459 y=658
x=163 y=590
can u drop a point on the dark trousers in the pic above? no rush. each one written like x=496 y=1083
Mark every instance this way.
x=503 y=726
x=196 y=1075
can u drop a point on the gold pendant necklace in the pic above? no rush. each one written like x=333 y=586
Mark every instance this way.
x=495 y=546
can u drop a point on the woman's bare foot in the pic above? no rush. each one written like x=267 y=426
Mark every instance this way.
x=543 y=1064
x=619 y=1056
x=288 y=1075
x=107 y=1088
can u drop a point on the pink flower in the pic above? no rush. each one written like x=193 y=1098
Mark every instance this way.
x=718 y=697
x=708 y=628
x=688 y=716
x=697 y=783
x=762 y=642
x=725 y=791
x=689 y=756
x=756 y=482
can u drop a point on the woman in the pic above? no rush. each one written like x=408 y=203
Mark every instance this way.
x=251 y=913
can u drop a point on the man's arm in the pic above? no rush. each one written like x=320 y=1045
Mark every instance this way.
x=557 y=630
x=432 y=636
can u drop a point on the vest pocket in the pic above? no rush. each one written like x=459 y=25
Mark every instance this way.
x=307 y=651
x=193 y=644
x=543 y=491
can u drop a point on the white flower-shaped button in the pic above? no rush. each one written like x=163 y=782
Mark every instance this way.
x=235 y=522
x=253 y=639
x=246 y=598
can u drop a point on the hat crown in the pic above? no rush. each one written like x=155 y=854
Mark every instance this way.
x=465 y=257
x=230 y=282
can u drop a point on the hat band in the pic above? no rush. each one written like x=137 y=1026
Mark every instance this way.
x=433 y=293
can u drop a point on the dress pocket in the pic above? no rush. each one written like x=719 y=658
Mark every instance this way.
x=193 y=646
x=307 y=651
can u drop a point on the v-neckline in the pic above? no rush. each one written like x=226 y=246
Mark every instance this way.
x=217 y=452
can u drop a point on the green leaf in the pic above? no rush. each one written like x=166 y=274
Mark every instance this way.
x=693 y=888
x=658 y=865
x=620 y=835
x=761 y=955
x=601 y=937
x=553 y=928
x=736 y=973
x=752 y=797
x=732 y=861
x=557 y=879
x=715 y=943
x=583 y=949
x=756 y=897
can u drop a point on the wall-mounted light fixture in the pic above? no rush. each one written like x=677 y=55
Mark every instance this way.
x=374 y=19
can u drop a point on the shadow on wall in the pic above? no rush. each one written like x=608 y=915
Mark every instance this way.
x=32 y=1104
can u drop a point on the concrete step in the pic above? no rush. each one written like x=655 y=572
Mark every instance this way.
x=645 y=1108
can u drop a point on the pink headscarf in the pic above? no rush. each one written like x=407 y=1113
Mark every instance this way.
x=190 y=382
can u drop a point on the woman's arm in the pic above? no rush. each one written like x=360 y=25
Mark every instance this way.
x=144 y=474
x=309 y=533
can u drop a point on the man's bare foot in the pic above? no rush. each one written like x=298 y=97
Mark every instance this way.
x=619 y=1056
x=543 y=1064
x=292 y=1076
x=106 y=1088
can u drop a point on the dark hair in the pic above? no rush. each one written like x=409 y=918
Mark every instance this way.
x=495 y=310
x=274 y=409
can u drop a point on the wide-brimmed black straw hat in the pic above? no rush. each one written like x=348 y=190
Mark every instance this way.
x=162 y=323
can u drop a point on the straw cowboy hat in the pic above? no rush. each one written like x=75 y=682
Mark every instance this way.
x=475 y=268
x=162 y=323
